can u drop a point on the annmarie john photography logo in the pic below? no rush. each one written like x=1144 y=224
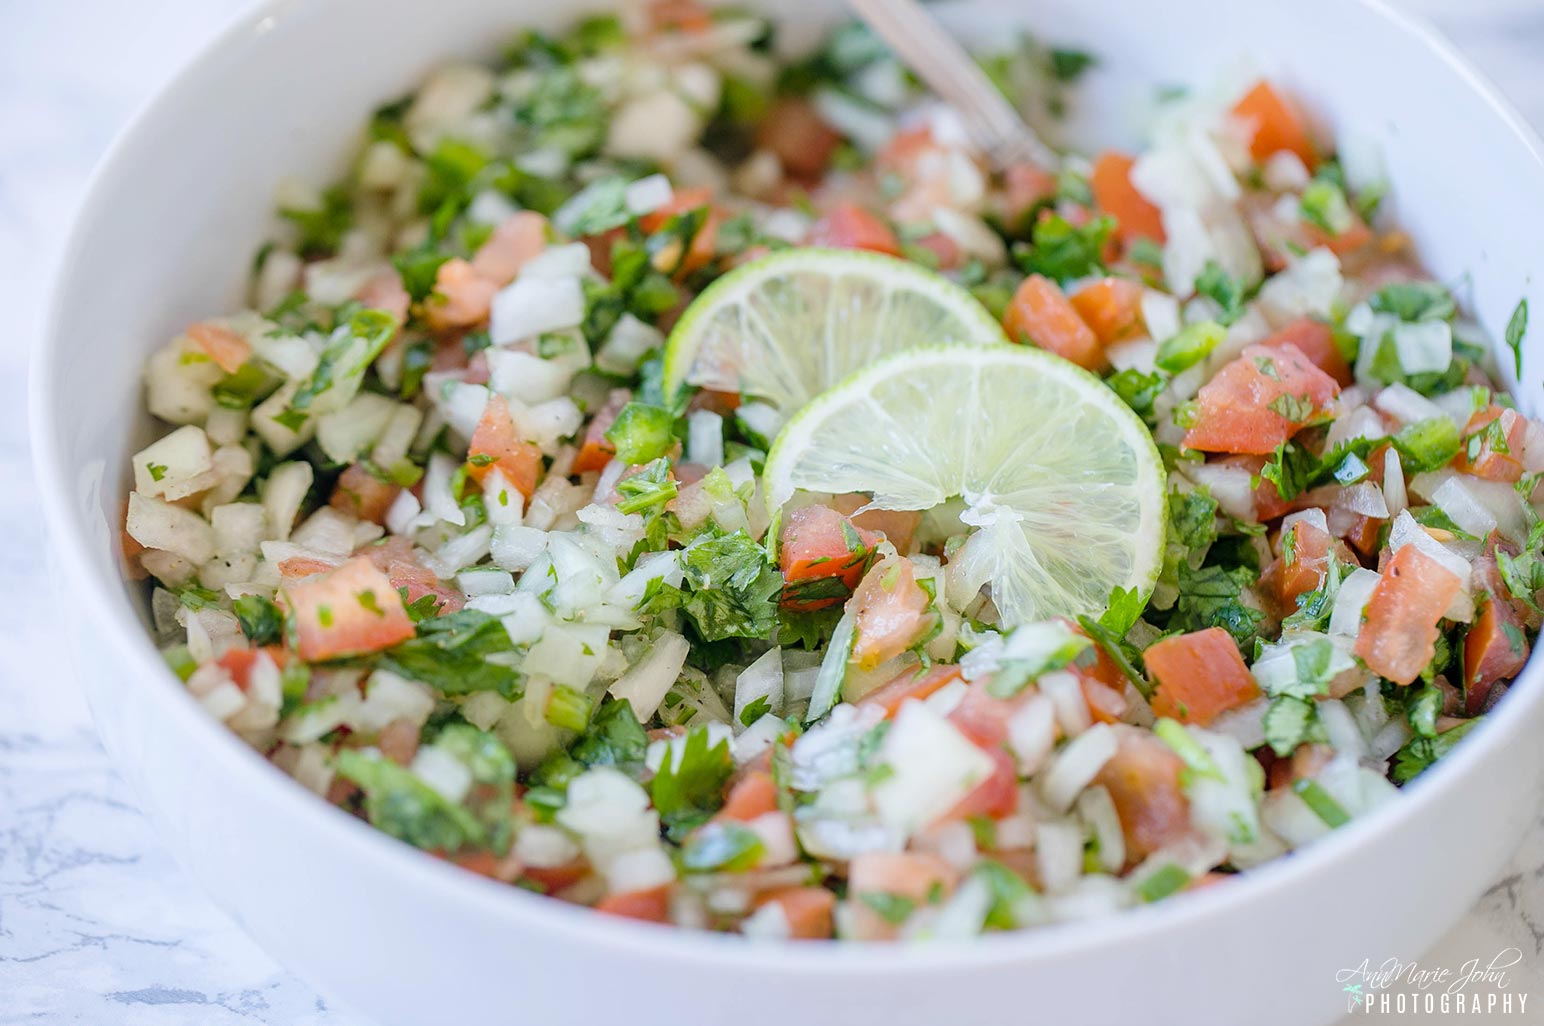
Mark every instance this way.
x=1480 y=986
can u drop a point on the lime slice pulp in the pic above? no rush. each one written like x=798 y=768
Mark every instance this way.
x=787 y=327
x=1060 y=479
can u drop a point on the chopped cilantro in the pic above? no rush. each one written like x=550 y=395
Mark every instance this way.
x=689 y=786
x=261 y=621
x=453 y=654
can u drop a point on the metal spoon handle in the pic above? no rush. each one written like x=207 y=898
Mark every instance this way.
x=940 y=61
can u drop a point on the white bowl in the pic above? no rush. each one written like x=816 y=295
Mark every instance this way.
x=165 y=237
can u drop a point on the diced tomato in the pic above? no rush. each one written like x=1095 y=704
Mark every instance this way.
x=596 y=451
x=238 y=663
x=361 y=494
x=1143 y=778
x=1105 y=703
x=1495 y=648
x=1399 y=636
x=899 y=526
x=485 y=863
x=905 y=149
x=556 y=879
x=495 y=444
x=522 y=236
x=461 y=297
x=398 y=741
x=946 y=252
x=799 y=137
x=222 y=345
x=1300 y=568
x=822 y=556
x=350 y=610
x=890 y=612
x=1315 y=340
x=1274 y=125
x=722 y=403
x=703 y=246
x=1234 y=410
x=383 y=291
x=752 y=795
x=996 y=796
x=1135 y=216
x=911 y=683
x=1494 y=462
x=1199 y=676
x=419 y=581
x=1305 y=763
x=807 y=909
x=1353 y=238
x=1041 y=315
x=296 y=567
x=1025 y=187
x=651 y=905
x=983 y=717
x=685 y=16
x=1112 y=307
x=849 y=226
x=1365 y=535
x=918 y=877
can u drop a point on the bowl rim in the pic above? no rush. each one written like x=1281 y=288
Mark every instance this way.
x=519 y=909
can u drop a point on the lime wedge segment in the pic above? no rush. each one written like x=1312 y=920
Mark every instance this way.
x=1061 y=481
x=787 y=327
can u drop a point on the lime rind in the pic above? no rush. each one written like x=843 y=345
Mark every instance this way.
x=785 y=328
x=1062 y=479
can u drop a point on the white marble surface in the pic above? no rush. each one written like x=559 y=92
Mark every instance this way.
x=97 y=924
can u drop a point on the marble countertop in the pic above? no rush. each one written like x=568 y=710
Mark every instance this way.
x=97 y=924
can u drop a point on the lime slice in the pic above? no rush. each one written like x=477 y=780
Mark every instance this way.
x=1060 y=479
x=787 y=327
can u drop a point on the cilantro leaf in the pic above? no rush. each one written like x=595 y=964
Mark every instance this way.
x=1062 y=251
x=261 y=621
x=1290 y=722
x=1210 y=597
x=1516 y=327
x=689 y=786
x=456 y=655
x=1415 y=301
x=733 y=591
x=1418 y=754
x=649 y=489
x=405 y=807
x=1223 y=289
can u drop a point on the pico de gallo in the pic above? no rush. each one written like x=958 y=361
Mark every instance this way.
x=425 y=528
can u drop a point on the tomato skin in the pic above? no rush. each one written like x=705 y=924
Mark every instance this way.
x=1199 y=676
x=361 y=494
x=350 y=610
x=514 y=242
x=1143 y=778
x=1494 y=462
x=913 y=683
x=495 y=439
x=983 y=717
x=461 y=297
x=753 y=795
x=1399 y=635
x=849 y=226
x=226 y=348
x=816 y=545
x=799 y=137
x=1287 y=578
x=649 y=906
x=1112 y=307
x=996 y=796
x=704 y=245
x=597 y=450
x=1494 y=649
x=807 y=909
x=1041 y=315
x=1135 y=216
x=1276 y=125
x=1233 y=410
x=890 y=612
x=1315 y=340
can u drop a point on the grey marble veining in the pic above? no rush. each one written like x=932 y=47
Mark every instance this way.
x=97 y=924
